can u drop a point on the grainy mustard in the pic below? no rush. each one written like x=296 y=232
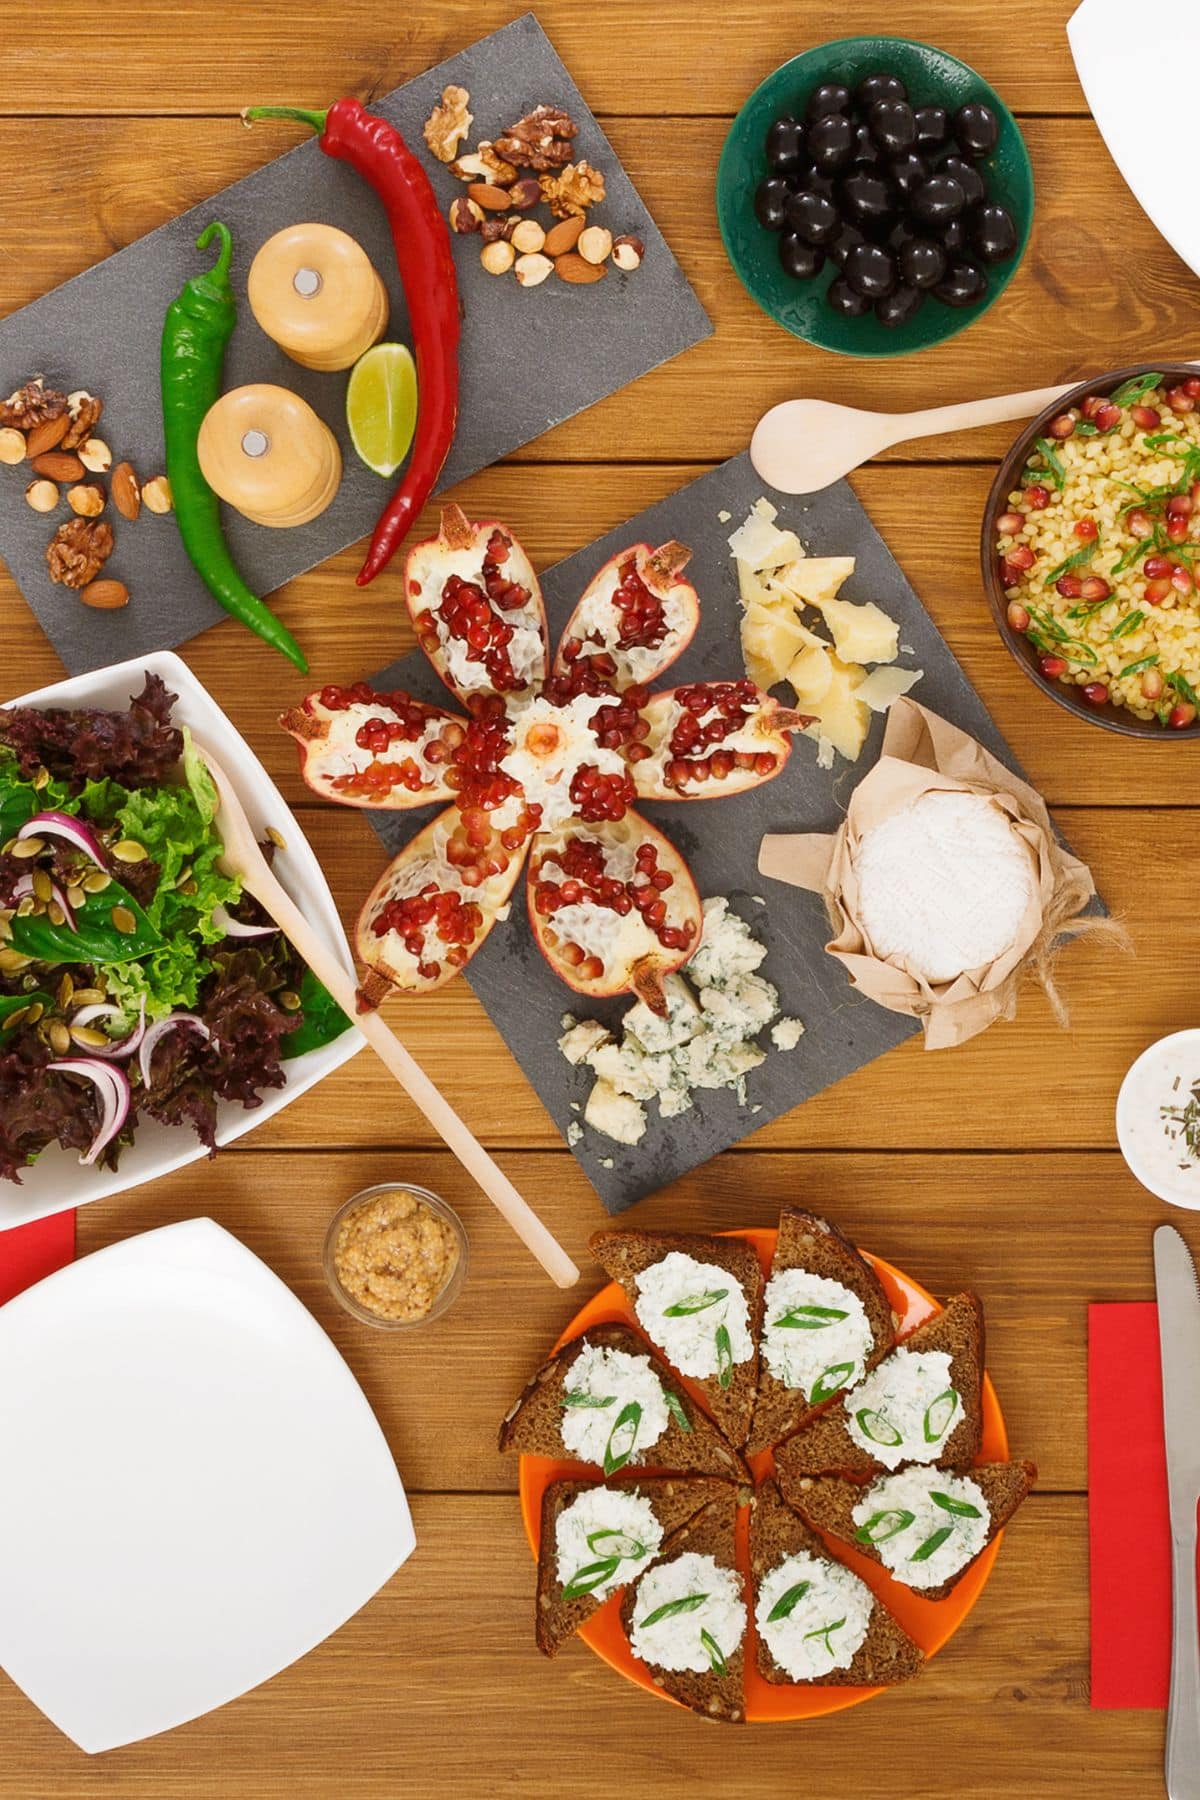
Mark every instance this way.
x=393 y=1255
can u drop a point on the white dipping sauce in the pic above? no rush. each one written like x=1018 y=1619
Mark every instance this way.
x=1158 y=1109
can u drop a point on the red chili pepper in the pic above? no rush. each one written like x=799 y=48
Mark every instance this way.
x=380 y=155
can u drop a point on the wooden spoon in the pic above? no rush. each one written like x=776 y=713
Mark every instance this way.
x=243 y=857
x=802 y=446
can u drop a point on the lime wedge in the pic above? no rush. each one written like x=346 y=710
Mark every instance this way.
x=381 y=406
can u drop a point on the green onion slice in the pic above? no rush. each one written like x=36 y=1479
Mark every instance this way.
x=688 y=1603
x=883 y=1525
x=1053 y=462
x=720 y=1666
x=1076 y=560
x=962 y=1509
x=1136 y=550
x=1124 y=626
x=724 y=1357
x=1135 y=389
x=1184 y=688
x=590 y=1577
x=825 y=1632
x=926 y=1550
x=622 y=1546
x=1133 y=668
x=622 y=1437
x=787 y=1603
x=831 y=1380
x=938 y=1415
x=676 y=1409
x=1164 y=437
x=579 y=1397
x=694 y=1303
x=880 y=1430
x=810 y=1318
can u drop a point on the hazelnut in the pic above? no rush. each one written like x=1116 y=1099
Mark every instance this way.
x=465 y=215
x=525 y=193
x=493 y=230
x=86 y=499
x=497 y=258
x=95 y=456
x=157 y=495
x=594 y=244
x=42 y=495
x=12 y=445
x=627 y=252
x=532 y=269
x=527 y=236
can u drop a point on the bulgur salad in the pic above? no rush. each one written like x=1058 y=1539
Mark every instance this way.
x=1099 y=550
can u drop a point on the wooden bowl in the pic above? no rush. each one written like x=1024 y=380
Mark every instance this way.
x=1108 y=716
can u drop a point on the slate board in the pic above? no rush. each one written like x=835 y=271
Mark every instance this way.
x=529 y=358
x=720 y=838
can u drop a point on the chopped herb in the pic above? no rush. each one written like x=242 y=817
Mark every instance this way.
x=1030 y=477
x=1164 y=437
x=1076 y=560
x=724 y=1357
x=825 y=1632
x=831 y=1380
x=962 y=1509
x=590 y=1577
x=1085 y=428
x=939 y=1414
x=1053 y=462
x=810 y=1318
x=676 y=1409
x=622 y=1437
x=1124 y=626
x=1138 y=548
x=686 y=1604
x=1086 y=608
x=1134 y=668
x=578 y=1397
x=1049 y=625
x=926 y=1550
x=720 y=1666
x=787 y=1603
x=1184 y=689
x=694 y=1303
x=1135 y=389
x=883 y=1525
x=1187 y=1118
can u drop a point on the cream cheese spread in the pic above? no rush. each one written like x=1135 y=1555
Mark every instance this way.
x=813 y=1615
x=603 y=1539
x=816 y=1335
x=696 y=1313
x=681 y=1603
x=601 y=1385
x=925 y=1524
x=905 y=1409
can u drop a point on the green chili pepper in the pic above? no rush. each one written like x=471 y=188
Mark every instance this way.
x=883 y=1525
x=962 y=1509
x=877 y=1428
x=590 y=1577
x=197 y=327
x=622 y=1437
x=939 y=1413
x=831 y=1380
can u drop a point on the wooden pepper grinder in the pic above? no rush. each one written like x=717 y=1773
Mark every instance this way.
x=264 y=450
x=314 y=290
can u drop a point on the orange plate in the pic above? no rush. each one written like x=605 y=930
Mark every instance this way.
x=931 y=1622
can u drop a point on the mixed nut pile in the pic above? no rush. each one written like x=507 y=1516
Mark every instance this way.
x=500 y=199
x=55 y=434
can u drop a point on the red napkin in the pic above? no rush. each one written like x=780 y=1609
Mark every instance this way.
x=1128 y=1519
x=29 y=1252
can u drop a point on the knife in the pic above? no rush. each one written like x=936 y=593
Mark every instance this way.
x=1179 y=1340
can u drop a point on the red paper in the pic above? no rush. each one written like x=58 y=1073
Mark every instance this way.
x=29 y=1252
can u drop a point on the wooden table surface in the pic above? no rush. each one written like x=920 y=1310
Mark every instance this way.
x=994 y=1165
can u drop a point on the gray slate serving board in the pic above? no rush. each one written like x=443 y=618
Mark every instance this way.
x=720 y=838
x=529 y=358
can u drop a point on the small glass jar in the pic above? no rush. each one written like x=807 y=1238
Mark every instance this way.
x=445 y=1296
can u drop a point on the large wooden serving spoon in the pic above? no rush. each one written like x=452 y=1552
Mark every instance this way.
x=243 y=858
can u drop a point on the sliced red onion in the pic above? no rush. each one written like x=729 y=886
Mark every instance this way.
x=237 y=928
x=151 y=1037
x=75 y=831
x=115 y=1098
x=25 y=886
x=120 y=1047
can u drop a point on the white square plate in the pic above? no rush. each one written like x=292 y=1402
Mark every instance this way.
x=56 y=1180
x=195 y=1491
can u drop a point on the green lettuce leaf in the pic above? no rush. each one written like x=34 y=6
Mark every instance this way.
x=321 y=1018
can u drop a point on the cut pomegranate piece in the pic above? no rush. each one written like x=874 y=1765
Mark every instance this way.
x=437 y=900
x=477 y=607
x=364 y=748
x=613 y=907
x=711 y=738
x=635 y=618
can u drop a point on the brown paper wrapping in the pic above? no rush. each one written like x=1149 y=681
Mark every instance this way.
x=922 y=752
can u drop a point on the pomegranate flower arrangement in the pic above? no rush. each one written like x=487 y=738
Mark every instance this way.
x=544 y=766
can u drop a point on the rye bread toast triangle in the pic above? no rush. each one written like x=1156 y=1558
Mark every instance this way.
x=624 y=1254
x=809 y=1242
x=825 y=1447
x=713 y=1696
x=886 y=1655
x=827 y=1502
x=675 y=1499
x=533 y=1425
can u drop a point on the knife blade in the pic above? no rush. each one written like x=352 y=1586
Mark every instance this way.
x=1179 y=1341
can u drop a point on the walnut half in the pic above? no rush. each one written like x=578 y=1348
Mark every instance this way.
x=78 y=551
x=32 y=405
x=572 y=191
x=541 y=140
x=449 y=123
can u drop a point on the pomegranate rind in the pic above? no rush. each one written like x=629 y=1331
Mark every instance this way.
x=596 y=620
x=328 y=753
x=459 y=549
x=767 y=730
x=424 y=859
x=642 y=960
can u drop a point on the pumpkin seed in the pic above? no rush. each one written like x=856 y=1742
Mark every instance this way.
x=60 y=1038
x=33 y=1012
x=276 y=837
x=185 y=874
x=26 y=905
x=66 y=988
x=96 y=881
x=289 y=1000
x=186 y=887
x=123 y=920
x=55 y=913
x=88 y=996
x=5 y=926
x=41 y=780
x=128 y=850
x=88 y=1038
x=43 y=887
x=26 y=848
x=12 y=962
x=29 y=982
x=75 y=895
x=15 y=1018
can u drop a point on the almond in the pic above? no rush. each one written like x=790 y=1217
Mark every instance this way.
x=107 y=595
x=57 y=465
x=563 y=237
x=46 y=435
x=126 y=494
x=492 y=199
x=573 y=268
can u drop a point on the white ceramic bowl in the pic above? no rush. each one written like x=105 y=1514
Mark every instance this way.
x=56 y=1181
x=1144 y=1145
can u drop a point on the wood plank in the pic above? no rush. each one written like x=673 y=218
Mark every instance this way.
x=951 y=1221
x=660 y=60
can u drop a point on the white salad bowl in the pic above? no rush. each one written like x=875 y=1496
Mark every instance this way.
x=56 y=1182
x=1149 y=1084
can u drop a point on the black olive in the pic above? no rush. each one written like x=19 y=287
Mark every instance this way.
x=830 y=97
x=868 y=202
x=785 y=145
x=810 y=180
x=922 y=262
x=909 y=172
x=994 y=234
x=866 y=150
x=798 y=259
x=954 y=238
x=770 y=202
x=871 y=270
x=843 y=300
x=968 y=178
x=831 y=141
x=940 y=200
x=898 y=307
x=880 y=87
x=899 y=235
x=847 y=239
x=962 y=285
x=933 y=127
x=893 y=126
x=814 y=216
x=976 y=129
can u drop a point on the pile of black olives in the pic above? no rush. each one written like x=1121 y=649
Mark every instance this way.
x=892 y=194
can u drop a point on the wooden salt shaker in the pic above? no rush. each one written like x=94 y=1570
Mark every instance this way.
x=264 y=450
x=313 y=290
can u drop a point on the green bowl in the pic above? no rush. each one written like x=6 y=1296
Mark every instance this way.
x=932 y=78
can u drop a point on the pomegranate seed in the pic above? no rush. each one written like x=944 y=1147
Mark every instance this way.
x=1037 y=497
x=1009 y=523
x=1157 y=591
x=1052 y=666
x=1192 y=386
x=1155 y=566
x=1152 y=684
x=1018 y=618
x=1177 y=530
x=1091 y=406
x=1182 y=715
x=1086 y=529
x=1179 y=506
x=1062 y=427
x=1180 y=401
x=1010 y=575
x=1094 y=588
x=1021 y=557
x=1181 y=580
x=1139 y=524
x=1095 y=693
x=1069 y=586
x=1147 y=417
x=1106 y=416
